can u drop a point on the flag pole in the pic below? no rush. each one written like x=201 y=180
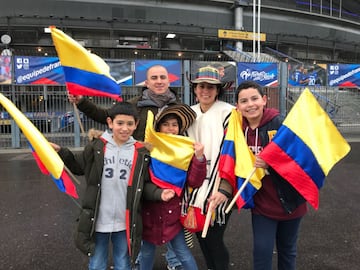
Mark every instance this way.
x=240 y=190
x=210 y=209
x=72 y=175
x=78 y=118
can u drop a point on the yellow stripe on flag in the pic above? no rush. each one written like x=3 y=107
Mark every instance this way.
x=313 y=126
x=72 y=54
x=174 y=150
x=245 y=159
x=41 y=146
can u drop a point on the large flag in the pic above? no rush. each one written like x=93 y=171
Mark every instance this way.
x=46 y=157
x=170 y=157
x=306 y=147
x=85 y=73
x=237 y=162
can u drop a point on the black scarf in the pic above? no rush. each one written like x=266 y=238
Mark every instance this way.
x=149 y=98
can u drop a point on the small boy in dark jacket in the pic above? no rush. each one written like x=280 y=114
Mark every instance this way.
x=115 y=166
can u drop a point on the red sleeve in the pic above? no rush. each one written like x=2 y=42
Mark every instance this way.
x=196 y=172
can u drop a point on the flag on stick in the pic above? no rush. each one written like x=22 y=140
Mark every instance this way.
x=170 y=157
x=46 y=157
x=306 y=147
x=237 y=162
x=85 y=73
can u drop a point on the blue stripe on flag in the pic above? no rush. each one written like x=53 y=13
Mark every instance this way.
x=293 y=146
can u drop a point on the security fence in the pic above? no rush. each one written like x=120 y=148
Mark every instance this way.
x=50 y=111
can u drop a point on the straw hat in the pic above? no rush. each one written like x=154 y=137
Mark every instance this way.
x=207 y=74
x=186 y=115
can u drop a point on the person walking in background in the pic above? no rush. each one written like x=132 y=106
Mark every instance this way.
x=208 y=129
x=278 y=207
x=162 y=206
x=115 y=166
x=155 y=96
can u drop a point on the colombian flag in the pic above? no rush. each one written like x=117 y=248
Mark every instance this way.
x=237 y=161
x=85 y=73
x=46 y=157
x=306 y=147
x=170 y=157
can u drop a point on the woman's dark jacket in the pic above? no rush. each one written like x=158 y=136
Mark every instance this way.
x=90 y=163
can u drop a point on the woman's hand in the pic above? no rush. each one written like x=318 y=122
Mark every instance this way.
x=216 y=199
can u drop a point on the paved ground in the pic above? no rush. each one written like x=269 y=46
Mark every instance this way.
x=37 y=222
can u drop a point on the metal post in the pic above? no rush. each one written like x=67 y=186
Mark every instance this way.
x=331 y=7
x=283 y=86
x=186 y=97
x=15 y=131
x=258 y=31
x=77 y=133
x=239 y=25
x=254 y=27
x=340 y=8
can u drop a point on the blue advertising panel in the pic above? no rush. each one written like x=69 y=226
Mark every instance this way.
x=121 y=71
x=265 y=74
x=172 y=66
x=307 y=74
x=344 y=75
x=5 y=69
x=38 y=70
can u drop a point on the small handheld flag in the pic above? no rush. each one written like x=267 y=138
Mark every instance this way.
x=85 y=73
x=306 y=147
x=170 y=157
x=46 y=157
x=236 y=163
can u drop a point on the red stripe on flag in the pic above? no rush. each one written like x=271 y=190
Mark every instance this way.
x=76 y=89
x=164 y=184
x=39 y=163
x=289 y=169
x=69 y=185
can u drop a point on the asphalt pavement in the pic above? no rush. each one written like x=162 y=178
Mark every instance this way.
x=38 y=221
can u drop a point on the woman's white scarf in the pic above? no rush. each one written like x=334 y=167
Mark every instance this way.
x=209 y=129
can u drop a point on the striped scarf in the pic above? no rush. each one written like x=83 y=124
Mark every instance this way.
x=199 y=197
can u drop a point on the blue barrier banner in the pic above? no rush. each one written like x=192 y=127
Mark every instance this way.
x=344 y=75
x=265 y=74
x=38 y=70
x=5 y=69
x=120 y=70
x=307 y=74
x=173 y=67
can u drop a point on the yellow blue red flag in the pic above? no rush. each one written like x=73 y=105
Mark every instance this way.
x=170 y=157
x=85 y=73
x=306 y=147
x=237 y=162
x=46 y=157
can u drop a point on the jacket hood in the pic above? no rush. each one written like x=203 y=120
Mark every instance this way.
x=268 y=115
x=107 y=136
